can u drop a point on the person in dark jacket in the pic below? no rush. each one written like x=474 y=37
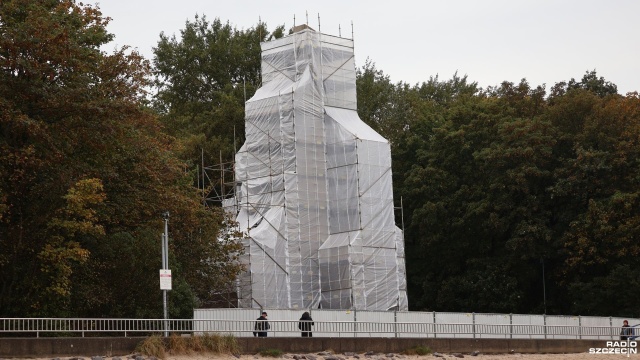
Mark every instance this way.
x=305 y=324
x=262 y=325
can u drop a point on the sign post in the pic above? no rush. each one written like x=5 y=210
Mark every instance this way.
x=165 y=279
x=165 y=273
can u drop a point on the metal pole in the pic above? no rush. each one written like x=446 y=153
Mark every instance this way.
x=204 y=196
x=165 y=266
x=544 y=287
x=402 y=216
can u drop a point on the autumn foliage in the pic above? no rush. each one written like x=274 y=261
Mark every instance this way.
x=85 y=173
x=516 y=198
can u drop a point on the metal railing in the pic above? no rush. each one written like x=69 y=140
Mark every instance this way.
x=289 y=328
x=98 y=326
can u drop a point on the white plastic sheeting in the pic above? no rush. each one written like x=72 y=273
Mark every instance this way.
x=314 y=193
x=536 y=321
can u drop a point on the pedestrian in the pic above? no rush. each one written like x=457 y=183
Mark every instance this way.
x=305 y=324
x=262 y=325
x=625 y=334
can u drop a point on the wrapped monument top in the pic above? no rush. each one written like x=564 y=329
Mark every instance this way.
x=314 y=192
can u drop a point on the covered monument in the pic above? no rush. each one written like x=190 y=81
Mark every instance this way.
x=314 y=194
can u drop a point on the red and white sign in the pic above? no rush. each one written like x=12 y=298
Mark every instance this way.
x=165 y=279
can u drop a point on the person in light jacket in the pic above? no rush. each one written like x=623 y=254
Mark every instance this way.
x=626 y=332
x=305 y=324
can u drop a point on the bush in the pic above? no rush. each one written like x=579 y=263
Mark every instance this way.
x=179 y=344
x=271 y=352
x=152 y=346
x=418 y=350
x=176 y=344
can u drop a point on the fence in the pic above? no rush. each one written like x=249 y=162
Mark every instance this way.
x=407 y=324
x=334 y=323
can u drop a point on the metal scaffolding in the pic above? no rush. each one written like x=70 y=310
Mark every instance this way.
x=313 y=190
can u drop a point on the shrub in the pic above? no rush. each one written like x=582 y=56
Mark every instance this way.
x=418 y=350
x=152 y=346
x=176 y=344
x=271 y=352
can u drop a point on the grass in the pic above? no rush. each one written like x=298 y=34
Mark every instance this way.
x=272 y=353
x=152 y=346
x=418 y=350
x=179 y=345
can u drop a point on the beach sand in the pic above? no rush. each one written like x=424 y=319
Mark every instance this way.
x=515 y=356
x=315 y=356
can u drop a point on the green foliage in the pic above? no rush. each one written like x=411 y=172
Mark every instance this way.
x=203 y=77
x=597 y=85
x=609 y=293
x=86 y=171
x=418 y=350
x=498 y=183
x=78 y=219
x=276 y=353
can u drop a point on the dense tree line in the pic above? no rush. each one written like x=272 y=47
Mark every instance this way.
x=499 y=184
x=202 y=79
x=86 y=171
x=516 y=199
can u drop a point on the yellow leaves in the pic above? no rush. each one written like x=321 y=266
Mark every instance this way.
x=76 y=219
x=56 y=259
x=79 y=216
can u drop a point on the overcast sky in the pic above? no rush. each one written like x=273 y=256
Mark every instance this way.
x=490 y=41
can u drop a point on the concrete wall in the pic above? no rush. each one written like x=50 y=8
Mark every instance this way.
x=396 y=345
x=116 y=346
x=57 y=347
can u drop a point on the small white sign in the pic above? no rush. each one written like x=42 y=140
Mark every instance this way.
x=165 y=279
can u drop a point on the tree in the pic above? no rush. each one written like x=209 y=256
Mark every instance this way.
x=590 y=82
x=85 y=171
x=504 y=181
x=380 y=104
x=478 y=193
x=203 y=79
x=597 y=185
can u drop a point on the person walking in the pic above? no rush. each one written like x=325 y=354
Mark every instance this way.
x=305 y=324
x=262 y=325
x=625 y=334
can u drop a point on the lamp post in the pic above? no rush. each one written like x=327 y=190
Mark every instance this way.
x=165 y=273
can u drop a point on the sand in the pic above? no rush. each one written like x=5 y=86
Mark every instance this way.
x=515 y=356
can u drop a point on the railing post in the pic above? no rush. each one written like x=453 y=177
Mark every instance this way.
x=395 y=322
x=435 y=331
x=611 y=327
x=355 y=324
x=473 y=324
x=510 y=326
x=579 y=327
